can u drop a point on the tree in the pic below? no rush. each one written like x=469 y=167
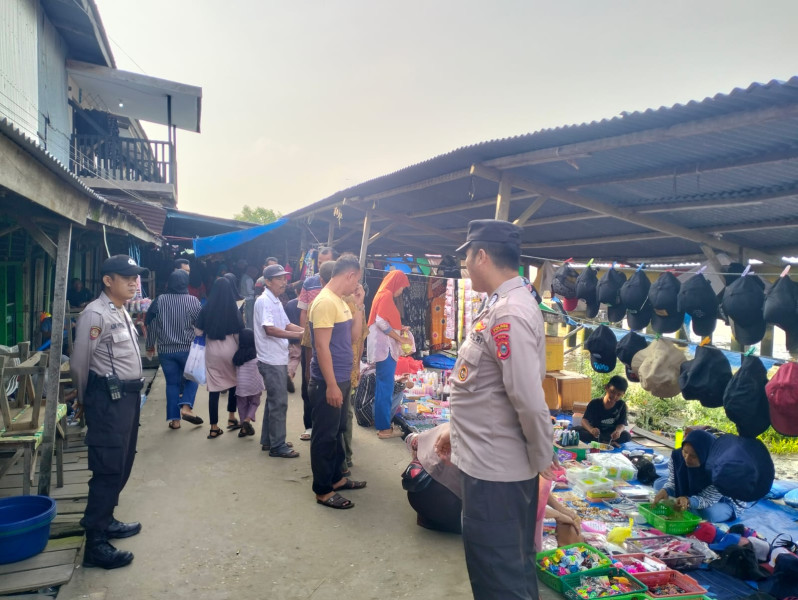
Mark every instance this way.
x=257 y=215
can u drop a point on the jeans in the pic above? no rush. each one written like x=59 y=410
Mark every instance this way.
x=347 y=438
x=275 y=409
x=326 y=442
x=383 y=393
x=213 y=404
x=304 y=362
x=499 y=537
x=173 y=365
x=719 y=512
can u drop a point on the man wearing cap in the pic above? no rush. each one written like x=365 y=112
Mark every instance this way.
x=272 y=332
x=501 y=433
x=106 y=369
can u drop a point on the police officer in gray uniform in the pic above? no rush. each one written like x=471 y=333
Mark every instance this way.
x=501 y=432
x=106 y=370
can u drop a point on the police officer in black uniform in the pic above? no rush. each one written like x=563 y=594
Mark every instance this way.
x=106 y=370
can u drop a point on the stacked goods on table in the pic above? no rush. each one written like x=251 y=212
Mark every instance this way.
x=669 y=520
x=679 y=554
x=638 y=563
x=603 y=583
x=572 y=559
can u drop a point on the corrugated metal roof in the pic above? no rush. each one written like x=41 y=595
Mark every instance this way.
x=49 y=161
x=753 y=153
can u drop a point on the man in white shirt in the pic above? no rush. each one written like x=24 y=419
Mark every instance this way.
x=272 y=332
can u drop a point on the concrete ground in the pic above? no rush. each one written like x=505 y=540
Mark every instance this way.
x=221 y=519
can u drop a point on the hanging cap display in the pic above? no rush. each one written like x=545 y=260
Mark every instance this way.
x=663 y=296
x=601 y=345
x=639 y=319
x=564 y=283
x=743 y=302
x=697 y=299
x=741 y=468
x=745 y=399
x=609 y=288
x=586 y=285
x=781 y=308
x=628 y=346
x=658 y=367
x=634 y=291
x=705 y=377
x=782 y=394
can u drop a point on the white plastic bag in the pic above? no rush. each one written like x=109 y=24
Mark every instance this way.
x=195 y=363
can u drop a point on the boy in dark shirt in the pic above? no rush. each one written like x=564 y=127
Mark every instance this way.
x=605 y=418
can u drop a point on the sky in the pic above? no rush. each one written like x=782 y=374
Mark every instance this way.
x=305 y=98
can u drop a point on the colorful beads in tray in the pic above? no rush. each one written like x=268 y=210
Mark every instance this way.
x=604 y=586
x=668 y=589
x=572 y=560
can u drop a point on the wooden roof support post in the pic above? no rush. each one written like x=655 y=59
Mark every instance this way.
x=503 y=197
x=364 y=241
x=331 y=233
x=530 y=210
x=712 y=259
x=54 y=366
x=623 y=214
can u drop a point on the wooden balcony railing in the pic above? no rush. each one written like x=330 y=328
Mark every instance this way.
x=123 y=159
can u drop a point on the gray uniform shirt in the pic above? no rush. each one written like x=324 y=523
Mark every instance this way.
x=104 y=333
x=500 y=426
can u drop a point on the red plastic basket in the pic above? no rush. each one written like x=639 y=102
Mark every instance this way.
x=687 y=583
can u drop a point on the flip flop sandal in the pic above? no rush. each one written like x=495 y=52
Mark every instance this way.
x=336 y=501
x=248 y=428
x=352 y=485
x=389 y=435
x=215 y=433
x=233 y=424
x=289 y=454
x=305 y=437
x=242 y=433
x=173 y=425
x=194 y=419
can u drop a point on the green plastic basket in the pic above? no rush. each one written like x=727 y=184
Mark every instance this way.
x=659 y=515
x=555 y=581
x=571 y=582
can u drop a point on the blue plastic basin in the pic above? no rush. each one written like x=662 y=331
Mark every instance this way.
x=24 y=526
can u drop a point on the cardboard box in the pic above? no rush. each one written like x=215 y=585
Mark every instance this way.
x=572 y=389
x=550 y=392
x=555 y=359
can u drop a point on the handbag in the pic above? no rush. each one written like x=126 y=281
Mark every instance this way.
x=195 y=363
x=415 y=478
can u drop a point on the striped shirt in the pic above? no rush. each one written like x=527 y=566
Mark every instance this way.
x=249 y=381
x=173 y=324
x=707 y=497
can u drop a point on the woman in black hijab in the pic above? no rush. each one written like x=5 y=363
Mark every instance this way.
x=170 y=324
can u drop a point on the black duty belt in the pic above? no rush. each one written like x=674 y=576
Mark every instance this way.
x=132 y=385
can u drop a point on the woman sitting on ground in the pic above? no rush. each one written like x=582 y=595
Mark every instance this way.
x=690 y=483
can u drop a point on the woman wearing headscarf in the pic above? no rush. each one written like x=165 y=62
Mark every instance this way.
x=170 y=324
x=221 y=322
x=690 y=483
x=384 y=344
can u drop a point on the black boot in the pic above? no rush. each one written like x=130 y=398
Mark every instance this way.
x=99 y=553
x=118 y=530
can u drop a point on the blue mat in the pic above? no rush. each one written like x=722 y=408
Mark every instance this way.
x=769 y=519
x=720 y=585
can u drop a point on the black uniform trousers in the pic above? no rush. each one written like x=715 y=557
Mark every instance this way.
x=499 y=520
x=113 y=428
x=327 y=453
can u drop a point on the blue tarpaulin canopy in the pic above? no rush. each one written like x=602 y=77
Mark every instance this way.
x=226 y=241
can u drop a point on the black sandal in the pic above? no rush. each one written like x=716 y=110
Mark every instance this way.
x=215 y=433
x=174 y=425
x=336 y=501
x=351 y=484
x=233 y=424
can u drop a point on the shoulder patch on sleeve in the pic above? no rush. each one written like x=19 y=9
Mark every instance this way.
x=500 y=328
x=502 y=346
x=94 y=332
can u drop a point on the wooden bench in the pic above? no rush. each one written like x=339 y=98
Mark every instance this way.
x=23 y=427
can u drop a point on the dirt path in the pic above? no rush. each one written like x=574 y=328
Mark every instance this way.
x=223 y=520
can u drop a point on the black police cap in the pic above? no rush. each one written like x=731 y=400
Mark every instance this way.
x=121 y=264
x=493 y=231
